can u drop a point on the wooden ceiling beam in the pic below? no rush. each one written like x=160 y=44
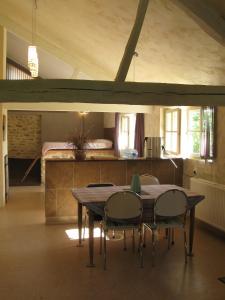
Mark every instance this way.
x=109 y=92
x=209 y=19
x=132 y=41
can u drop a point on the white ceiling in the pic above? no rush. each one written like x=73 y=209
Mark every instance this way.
x=86 y=39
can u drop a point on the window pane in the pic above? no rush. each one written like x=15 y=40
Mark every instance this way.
x=174 y=123
x=194 y=120
x=124 y=125
x=168 y=121
x=168 y=145
x=127 y=128
x=174 y=141
x=194 y=142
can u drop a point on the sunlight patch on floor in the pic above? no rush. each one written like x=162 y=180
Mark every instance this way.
x=73 y=234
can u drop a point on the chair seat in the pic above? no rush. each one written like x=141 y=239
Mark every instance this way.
x=119 y=226
x=97 y=218
x=175 y=222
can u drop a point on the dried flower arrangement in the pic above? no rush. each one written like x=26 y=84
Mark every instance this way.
x=79 y=142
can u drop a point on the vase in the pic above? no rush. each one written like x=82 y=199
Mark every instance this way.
x=135 y=184
x=80 y=154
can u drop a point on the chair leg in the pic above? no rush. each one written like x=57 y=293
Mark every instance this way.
x=153 y=248
x=104 y=250
x=144 y=237
x=141 y=247
x=173 y=242
x=100 y=250
x=124 y=241
x=166 y=233
x=84 y=227
x=133 y=240
x=169 y=237
x=185 y=246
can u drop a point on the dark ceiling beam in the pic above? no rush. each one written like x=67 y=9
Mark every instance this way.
x=209 y=19
x=109 y=92
x=132 y=41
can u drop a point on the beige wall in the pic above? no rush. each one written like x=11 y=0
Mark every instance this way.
x=109 y=120
x=152 y=122
x=60 y=126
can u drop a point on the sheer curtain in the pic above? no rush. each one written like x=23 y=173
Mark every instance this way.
x=208 y=140
x=139 y=134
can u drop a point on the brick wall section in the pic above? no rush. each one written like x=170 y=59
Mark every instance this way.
x=24 y=135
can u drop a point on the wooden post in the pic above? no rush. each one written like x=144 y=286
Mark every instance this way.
x=132 y=42
x=3 y=142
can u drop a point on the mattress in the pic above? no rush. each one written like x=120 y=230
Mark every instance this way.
x=91 y=144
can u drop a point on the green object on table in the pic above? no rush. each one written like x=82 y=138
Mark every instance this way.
x=136 y=184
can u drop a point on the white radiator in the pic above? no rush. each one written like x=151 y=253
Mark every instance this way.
x=212 y=209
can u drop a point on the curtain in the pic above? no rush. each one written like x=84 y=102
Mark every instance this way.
x=139 y=134
x=117 y=132
x=208 y=132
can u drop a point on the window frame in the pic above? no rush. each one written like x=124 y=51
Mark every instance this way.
x=178 y=131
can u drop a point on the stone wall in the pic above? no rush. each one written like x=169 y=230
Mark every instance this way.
x=24 y=135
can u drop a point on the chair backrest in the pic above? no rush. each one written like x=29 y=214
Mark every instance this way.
x=147 y=179
x=172 y=203
x=90 y=185
x=123 y=205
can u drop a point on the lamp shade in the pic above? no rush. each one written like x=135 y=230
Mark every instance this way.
x=33 y=60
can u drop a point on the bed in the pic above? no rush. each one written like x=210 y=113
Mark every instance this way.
x=66 y=150
x=95 y=149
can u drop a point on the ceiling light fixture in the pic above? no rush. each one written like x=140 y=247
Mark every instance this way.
x=135 y=55
x=32 y=49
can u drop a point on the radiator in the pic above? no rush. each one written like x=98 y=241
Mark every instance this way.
x=212 y=209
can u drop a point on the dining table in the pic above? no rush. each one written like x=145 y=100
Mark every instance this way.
x=94 y=200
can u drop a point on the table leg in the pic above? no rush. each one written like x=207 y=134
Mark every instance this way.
x=191 y=231
x=91 y=239
x=79 y=214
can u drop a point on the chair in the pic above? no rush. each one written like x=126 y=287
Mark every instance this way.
x=97 y=217
x=147 y=179
x=170 y=210
x=123 y=211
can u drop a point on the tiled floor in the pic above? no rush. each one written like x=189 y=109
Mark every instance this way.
x=41 y=262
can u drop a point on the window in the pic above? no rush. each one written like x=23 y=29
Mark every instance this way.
x=127 y=128
x=200 y=132
x=190 y=131
x=172 y=130
x=15 y=71
x=194 y=131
